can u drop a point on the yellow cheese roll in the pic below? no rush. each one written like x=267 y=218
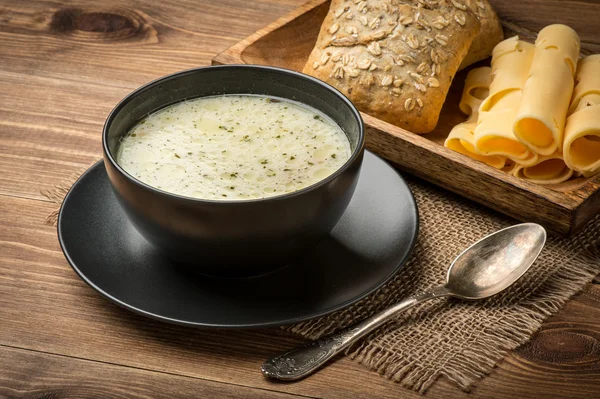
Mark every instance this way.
x=477 y=87
x=581 y=147
x=494 y=135
x=588 y=80
x=549 y=169
x=547 y=92
x=461 y=137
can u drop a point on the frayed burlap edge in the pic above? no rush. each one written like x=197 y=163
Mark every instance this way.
x=469 y=367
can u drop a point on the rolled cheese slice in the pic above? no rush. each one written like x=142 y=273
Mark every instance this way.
x=587 y=80
x=477 y=87
x=547 y=92
x=549 y=169
x=461 y=140
x=494 y=135
x=461 y=137
x=581 y=147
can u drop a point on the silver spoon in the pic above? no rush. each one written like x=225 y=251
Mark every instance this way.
x=482 y=270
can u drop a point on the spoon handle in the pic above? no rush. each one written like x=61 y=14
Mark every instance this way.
x=300 y=362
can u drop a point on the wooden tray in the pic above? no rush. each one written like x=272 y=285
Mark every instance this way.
x=563 y=208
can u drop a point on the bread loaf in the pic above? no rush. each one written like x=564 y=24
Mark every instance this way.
x=395 y=59
x=489 y=34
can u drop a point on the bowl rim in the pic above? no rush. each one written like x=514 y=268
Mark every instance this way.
x=356 y=153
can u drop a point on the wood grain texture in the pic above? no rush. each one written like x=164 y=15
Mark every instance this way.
x=30 y=374
x=526 y=17
x=63 y=66
x=41 y=146
x=561 y=361
x=564 y=208
x=121 y=42
x=45 y=307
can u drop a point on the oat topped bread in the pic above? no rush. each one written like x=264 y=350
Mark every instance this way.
x=395 y=59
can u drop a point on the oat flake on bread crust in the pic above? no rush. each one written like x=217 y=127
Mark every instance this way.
x=395 y=59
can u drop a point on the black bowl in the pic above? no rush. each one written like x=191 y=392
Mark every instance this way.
x=234 y=238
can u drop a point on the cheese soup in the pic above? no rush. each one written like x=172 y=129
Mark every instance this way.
x=233 y=147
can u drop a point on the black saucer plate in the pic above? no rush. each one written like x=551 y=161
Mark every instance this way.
x=368 y=246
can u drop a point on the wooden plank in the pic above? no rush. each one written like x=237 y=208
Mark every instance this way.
x=33 y=374
x=63 y=68
x=46 y=308
x=123 y=42
x=563 y=208
x=561 y=361
x=40 y=146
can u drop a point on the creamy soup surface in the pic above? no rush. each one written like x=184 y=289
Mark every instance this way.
x=233 y=147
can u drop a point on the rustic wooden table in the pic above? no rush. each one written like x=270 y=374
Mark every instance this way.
x=63 y=66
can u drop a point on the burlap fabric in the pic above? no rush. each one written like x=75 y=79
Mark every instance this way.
x=459 y=340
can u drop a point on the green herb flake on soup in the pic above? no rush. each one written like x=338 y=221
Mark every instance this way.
x=233 y=147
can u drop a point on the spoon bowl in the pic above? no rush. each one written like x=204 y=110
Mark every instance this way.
x=495 y=262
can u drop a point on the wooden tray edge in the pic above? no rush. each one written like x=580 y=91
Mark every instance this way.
x=233 y=54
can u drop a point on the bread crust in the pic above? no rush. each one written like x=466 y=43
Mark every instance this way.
x=490 y=33
x=395 y=59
